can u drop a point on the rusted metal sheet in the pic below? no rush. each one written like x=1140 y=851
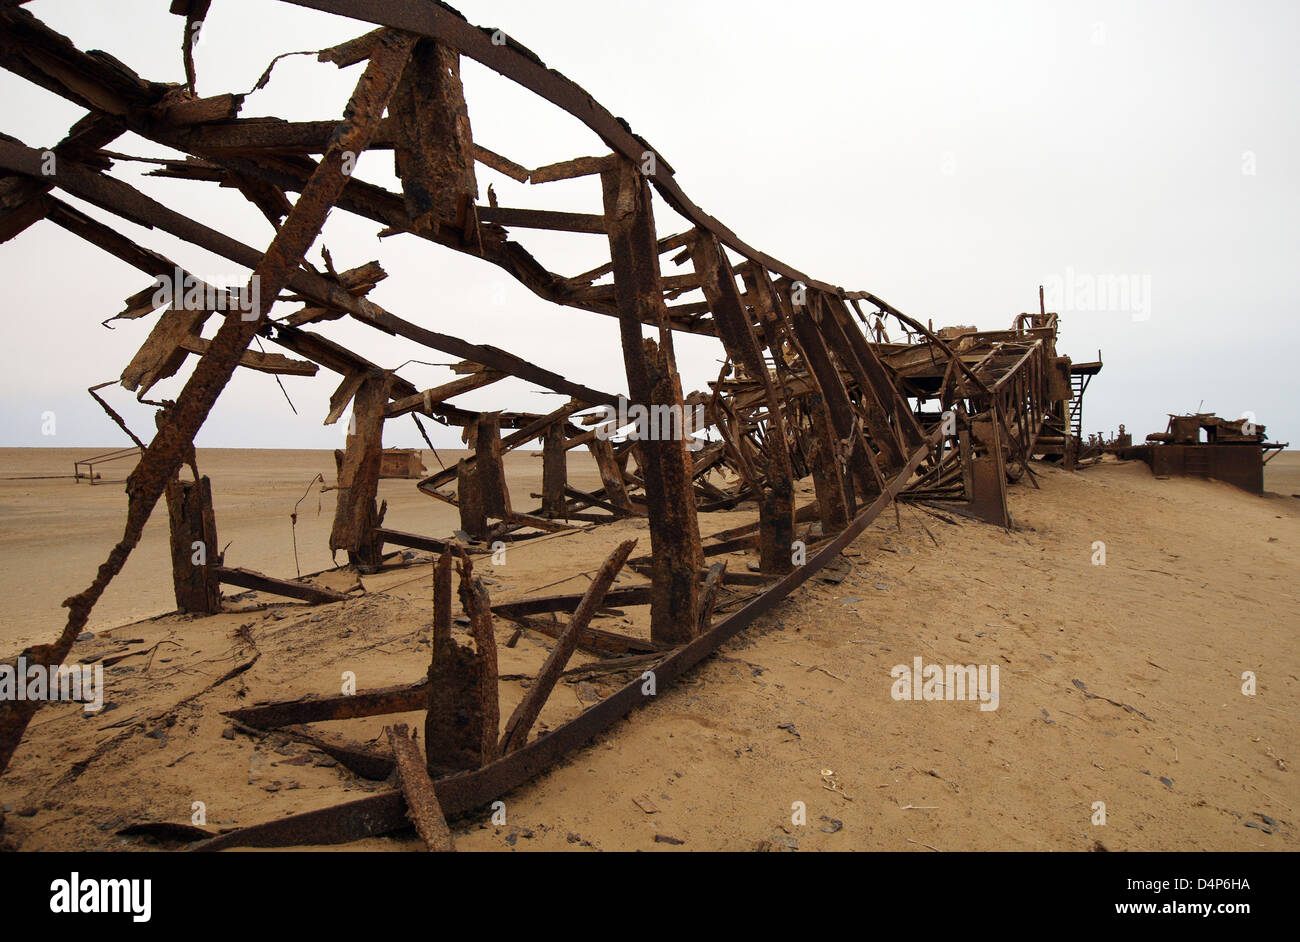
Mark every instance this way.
x=1238 y=464
x=434 y=152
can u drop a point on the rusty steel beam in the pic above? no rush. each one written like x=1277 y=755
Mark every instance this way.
x=417 y=789
x=521 y=720
x=165 y=453
x=314 y=709
x=652 y=379
x=776 y=502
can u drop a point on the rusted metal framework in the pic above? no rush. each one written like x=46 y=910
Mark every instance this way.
x=1205 y=445
x=813 y=385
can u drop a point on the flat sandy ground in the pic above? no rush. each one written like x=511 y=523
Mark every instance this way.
x=1119 y=684
x=54 y=533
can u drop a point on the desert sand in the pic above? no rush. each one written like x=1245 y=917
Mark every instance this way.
x=1120 y=683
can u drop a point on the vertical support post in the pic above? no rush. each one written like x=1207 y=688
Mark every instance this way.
x=194 y=546
x=611 y=473
x=836 y=398
x=460 y=726
x=555 y=470
x=489 y=467
x=989 y=478
x=652 y=382
x=964 y=451
x=776 y=500
x=355 y=514
x=478 y=607
x=473 y=518
x=828 y=478
x=452 y=729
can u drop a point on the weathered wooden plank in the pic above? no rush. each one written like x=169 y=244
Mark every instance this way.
x=222 y=107
x=24 y=200
x=350 y=52
x=592 y=640
x=713 y=583
x=343 y=394
x=412 y=540
x=610 y=473
x=161 y=355
x=517 y=519
x=541 y=604
x=568 y=169
x=314 y=708
x=776 y=500
x=501 y=164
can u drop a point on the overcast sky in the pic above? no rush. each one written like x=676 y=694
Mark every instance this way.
x=946 y=158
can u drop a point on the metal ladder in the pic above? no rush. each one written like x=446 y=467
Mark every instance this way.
x=1076 y=407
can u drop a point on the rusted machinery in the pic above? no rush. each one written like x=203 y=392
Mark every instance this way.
x=813 y=384
x=402 y=463
x=1205 y=445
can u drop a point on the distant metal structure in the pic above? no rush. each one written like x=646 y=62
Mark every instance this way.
x=1203 y=445
x=812 y=386
x=85 y=467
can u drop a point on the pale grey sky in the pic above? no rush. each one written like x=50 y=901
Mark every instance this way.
x=947 y=158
